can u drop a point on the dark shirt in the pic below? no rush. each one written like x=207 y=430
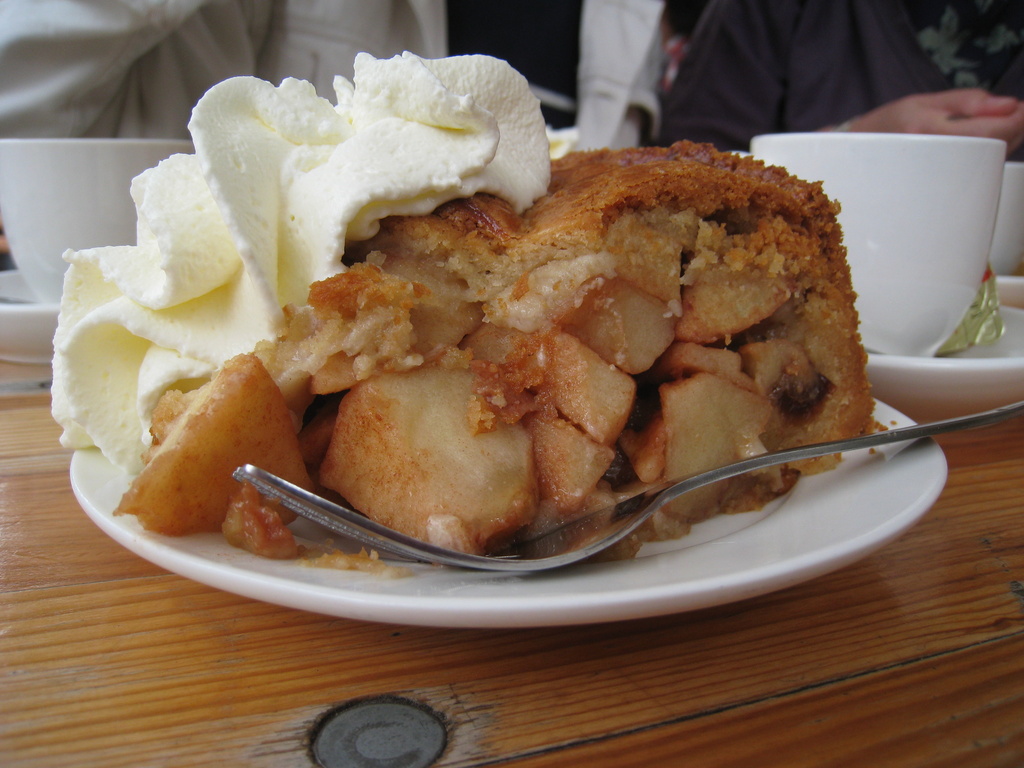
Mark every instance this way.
x=776 y=66
x=972 y=42
x=539 y=38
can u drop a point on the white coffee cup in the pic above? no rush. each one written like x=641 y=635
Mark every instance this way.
x=57 y=194
x=917 y=217
x=1008 y=240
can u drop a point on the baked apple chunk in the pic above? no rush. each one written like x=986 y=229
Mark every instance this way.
x=240 y=417
x=624 y=325
x=419 y=452
x=709 y=421
x=593 y=395
x=569 y=464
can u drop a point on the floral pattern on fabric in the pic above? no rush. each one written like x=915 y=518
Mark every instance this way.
x=971 y=41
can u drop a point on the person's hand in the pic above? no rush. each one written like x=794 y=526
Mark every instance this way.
x=958 y=112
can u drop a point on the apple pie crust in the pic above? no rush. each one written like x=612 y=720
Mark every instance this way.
x=475 y=374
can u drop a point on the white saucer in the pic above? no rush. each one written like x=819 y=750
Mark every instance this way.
x=929 y=388
x=829 y=521
x=26 y=329
x=1011 y=290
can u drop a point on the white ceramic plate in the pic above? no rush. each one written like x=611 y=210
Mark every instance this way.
x=26 y=329
x=928 y=388
x=827 y=522
x=1011 y=290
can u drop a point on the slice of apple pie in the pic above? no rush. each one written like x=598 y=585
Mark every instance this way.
x=475 y=374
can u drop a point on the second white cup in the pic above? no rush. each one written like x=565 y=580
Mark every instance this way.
x=917 y=218
x=1008 y=240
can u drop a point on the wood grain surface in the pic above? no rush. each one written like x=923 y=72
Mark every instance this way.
x=912 y=656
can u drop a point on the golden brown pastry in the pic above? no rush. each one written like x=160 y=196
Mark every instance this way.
x=476 y=375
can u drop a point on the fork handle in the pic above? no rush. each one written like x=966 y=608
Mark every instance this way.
x=672 y=489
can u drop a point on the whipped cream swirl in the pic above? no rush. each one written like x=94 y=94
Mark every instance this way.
x=280 y=180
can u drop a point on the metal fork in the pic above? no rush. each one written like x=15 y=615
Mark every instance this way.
x=585 y=537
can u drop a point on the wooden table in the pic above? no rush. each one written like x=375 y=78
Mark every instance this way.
x=913 y=656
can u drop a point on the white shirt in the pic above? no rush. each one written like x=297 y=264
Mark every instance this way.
x=621 y=62
x=137 y=67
